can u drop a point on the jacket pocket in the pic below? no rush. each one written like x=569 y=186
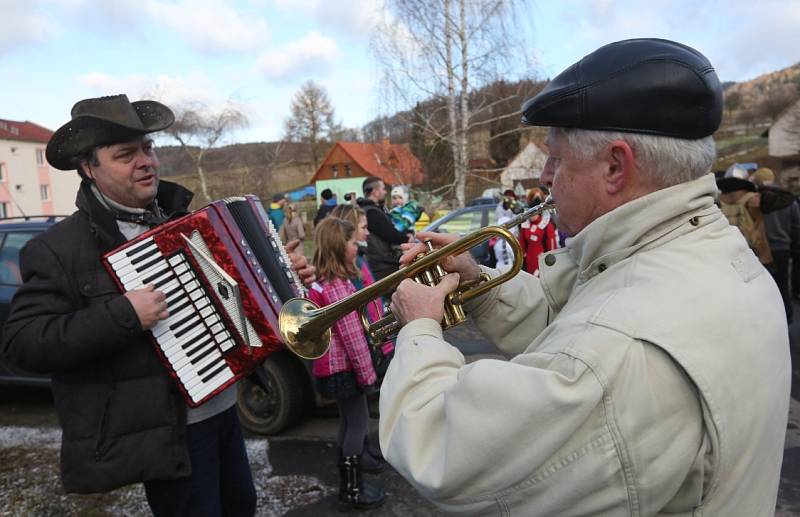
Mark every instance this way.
x=102 y=431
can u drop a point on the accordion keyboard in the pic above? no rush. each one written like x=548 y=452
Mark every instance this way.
x=193 y=337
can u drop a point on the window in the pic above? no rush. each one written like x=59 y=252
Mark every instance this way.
x=44 y=190
x=3 y=210
x=347 y=170
x=2 y=172
x=335 y=169
x=39 y=157
x=9 y=256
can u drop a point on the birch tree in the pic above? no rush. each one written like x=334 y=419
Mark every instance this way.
x=444 y=50
x=198 y=129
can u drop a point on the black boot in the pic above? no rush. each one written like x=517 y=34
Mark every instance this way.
x=354 y=491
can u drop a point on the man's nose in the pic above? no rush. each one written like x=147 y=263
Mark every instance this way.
x=546 y=178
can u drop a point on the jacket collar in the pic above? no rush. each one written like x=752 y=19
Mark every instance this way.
x=172 y=198
x=641 y=224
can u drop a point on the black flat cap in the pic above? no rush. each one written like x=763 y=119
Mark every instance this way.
x=650 y=86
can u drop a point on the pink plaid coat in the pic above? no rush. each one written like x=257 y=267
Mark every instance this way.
x=349 y=350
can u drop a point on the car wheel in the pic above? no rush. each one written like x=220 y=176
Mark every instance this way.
x=272 y=410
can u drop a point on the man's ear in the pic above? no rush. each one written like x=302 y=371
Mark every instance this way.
x=621 y=167
x=87 y=169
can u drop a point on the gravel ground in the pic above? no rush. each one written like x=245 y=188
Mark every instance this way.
x=30 y=484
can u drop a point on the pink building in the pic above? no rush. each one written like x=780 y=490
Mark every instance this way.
x=28 y=185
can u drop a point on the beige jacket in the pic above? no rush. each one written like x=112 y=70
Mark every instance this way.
x=649 y=374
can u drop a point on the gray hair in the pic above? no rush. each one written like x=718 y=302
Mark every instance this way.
x=668 y=161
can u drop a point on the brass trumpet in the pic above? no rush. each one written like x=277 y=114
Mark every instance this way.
x=306 y=328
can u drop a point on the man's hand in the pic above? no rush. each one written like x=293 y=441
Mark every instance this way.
x=300 y=264
x=413 y=301
x=463 y=264
x=150 y=305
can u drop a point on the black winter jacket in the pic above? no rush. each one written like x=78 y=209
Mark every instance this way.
x=382 y=241
x=123 y=419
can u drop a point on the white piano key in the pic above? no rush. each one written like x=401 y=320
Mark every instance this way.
x=211 y=385
x=174 y=345
x=141 y=276
x=191 y=379
x=184 y=363
x=124 y=253
x=163 y=326
x=123 y=267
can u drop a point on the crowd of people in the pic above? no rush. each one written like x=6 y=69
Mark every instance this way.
x=647 y=361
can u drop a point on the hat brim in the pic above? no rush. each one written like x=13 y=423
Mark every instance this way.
x=726 y=185
x=85 y=132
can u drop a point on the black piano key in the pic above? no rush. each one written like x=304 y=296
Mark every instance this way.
x=150 y=264
x=145 y=256
x=199 y=347
x=195 y=344
x=215 y=372
x=178 y=309
x=163 y=281
x=181 y=322
x=152 y=277
x=139 y=247
x=202 y=356
x=210 y=365
x=187 y=328
x=173 y=290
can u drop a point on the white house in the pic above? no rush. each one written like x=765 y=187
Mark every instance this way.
x=784 y=134
x=526 y=165
x=28 y=184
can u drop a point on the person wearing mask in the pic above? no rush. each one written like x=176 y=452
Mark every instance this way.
x=636 y=382
x=123 y=419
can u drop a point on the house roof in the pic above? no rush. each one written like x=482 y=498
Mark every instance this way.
x=27 y=131
x=393 y=163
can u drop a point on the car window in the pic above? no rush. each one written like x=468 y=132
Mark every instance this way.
x=462 y=224
x=9 y=256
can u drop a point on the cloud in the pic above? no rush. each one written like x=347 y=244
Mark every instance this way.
x=173 y=91
x=306 y=56
x=210 y=25
x=23 y=24
x=767 y=39
x=354 y=19
x=742 y=39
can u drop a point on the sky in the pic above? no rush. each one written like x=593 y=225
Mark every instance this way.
x=255 y=54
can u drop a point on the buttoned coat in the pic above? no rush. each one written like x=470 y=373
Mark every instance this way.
x=649 y=374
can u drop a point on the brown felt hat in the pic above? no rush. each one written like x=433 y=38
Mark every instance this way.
x=104 y=121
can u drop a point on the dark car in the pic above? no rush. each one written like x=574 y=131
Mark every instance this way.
x=14 y=233
x=466 y=220
x=273 y=398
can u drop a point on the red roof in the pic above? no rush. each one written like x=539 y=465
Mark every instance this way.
x=395 y=164
x=27 y=131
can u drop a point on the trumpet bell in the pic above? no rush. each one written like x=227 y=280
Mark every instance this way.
x=294 y=314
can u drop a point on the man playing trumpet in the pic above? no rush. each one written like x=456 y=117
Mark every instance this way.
x=648 y=367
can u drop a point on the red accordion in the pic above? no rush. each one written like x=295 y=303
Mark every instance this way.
x=226 y=277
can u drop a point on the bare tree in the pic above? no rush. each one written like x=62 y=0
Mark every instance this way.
x=443 y=50
x=777 y=101
x=198 y=129
x=312 y=120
